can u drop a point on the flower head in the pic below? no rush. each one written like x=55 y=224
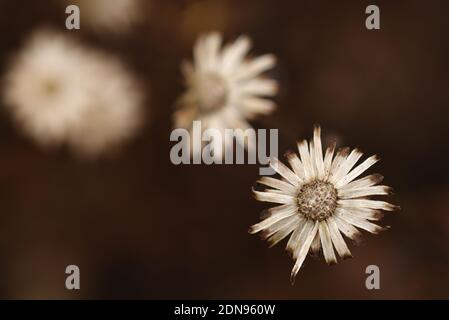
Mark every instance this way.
x=61 y=92
x=224 y=88
x=320 y=199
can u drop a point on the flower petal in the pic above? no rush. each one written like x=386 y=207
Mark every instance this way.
x=212 y=45
x=306 y=161
x=347 y=165
x=366 y=213
x=279 y=226
x=364 y=192
x=342 y=154
x=296 y=164
x=367 y=181
x=326 y=243
x=316 y=244
x=284 y=232
x=298 y=237
x=276 y=210
x=348 y=230
x=255 y=67
x=337 y=239
x=284 y=171
x=365 y=203
x=302 y=251
x=252 y=106
x=234 y=54
x=318 y=152
x=273 y=197
x=328 y=160
x=360 y=222
x=278 y=215
x=278 y=184
x=357 y=171
x=258 y=87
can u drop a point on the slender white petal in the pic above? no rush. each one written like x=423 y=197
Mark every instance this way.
x=347 y=165
x=273 y=197
x=357 y=171
x=278 y=226
x=234 y=53
x=364 y=192
x=212 y=46
x=199 y=53
x=316 y=244
x=267 y=213
x=306 y=161
x=278 y=184
x=284 y=232
x=312 y=159
x=348 y=230
x=255 y=67
x=252 y=107
x=285 y=172
x=275 y=191
x=326 y=243
x=364 y=203
x=367 y=181
x=359 y=222
x=328 y=160
x=366 y=213
x=296 y=165
x=338 y=160
x=300 y=238
x=302 y=252
x=318 y=153
x=261 y=87
x=295 y=237
x=337 y=239
x=274 y=218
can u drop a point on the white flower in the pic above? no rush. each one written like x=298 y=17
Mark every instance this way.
x=224 y=88
x=61 y=92
x=116 y=16
x=320 y=200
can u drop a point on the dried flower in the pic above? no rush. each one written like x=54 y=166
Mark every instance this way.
x=225 y=89
x=61 y=92
x=320 y=200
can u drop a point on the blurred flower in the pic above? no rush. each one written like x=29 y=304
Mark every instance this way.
x=320 y=199
x=59 y=91
x=108 y=15
x=224 y=89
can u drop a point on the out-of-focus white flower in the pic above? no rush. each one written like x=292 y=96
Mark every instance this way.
x=116 y=16
x=61 y=92
x=320 y=200
x=224 y=88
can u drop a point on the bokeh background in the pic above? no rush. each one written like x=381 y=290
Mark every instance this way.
x=140 y=227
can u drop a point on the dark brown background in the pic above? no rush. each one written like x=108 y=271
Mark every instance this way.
x=140 y=227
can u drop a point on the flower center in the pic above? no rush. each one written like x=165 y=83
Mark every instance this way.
x=212 y=92
x=50 y=87
x=317 y=200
